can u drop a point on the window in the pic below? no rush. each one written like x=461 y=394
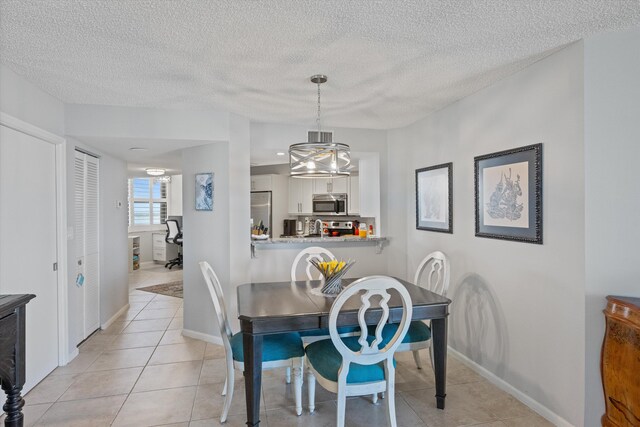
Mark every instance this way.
x=147 y=202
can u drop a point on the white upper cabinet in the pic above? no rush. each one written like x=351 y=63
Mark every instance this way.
x=300 y=191
x=261 y=183
x=330 y=185
x=353 y=200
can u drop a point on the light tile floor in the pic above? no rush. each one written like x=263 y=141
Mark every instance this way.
x=142 y=372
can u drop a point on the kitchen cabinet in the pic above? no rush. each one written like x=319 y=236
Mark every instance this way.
x=300 y=191
x=330 y=185
x=261 y=183
x=353 y=200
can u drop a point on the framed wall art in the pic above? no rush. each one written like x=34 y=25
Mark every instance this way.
x=508 y=194
x=204 y=191
x=434 y=198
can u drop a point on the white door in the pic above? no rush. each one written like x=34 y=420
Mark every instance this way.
x=28 y=242
x=87 y=242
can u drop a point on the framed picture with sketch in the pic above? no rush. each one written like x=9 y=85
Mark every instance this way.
x=204 y=191
x=508 y=194
x=434 y=198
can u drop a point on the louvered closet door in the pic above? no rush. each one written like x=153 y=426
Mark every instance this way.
x=87 y=239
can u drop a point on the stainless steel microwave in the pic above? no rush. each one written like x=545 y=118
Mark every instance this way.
x=330 y=204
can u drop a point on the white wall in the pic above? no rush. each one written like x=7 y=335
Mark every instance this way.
x=517 y=308
x=206 y=235
x=114 y=262
x=23 y=100
x=103 y=121
x=240 y=209
x=612 y=202
x=114 y=279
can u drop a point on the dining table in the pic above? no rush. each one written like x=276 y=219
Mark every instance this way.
x=296 y=306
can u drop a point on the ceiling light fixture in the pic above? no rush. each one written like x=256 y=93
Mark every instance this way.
x=138 y=149
x=154 y=171
x=320 y=156
x=280 y=153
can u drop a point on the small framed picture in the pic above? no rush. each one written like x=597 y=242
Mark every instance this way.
x=434 y=198
x=508 y=194
x=204 y=191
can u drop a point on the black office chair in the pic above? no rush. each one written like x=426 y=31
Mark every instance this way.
x=174 y=236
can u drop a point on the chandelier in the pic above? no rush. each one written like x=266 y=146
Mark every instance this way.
x=320 y=156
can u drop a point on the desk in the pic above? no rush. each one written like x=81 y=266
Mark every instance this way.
x=12 y=346
x=276 y=307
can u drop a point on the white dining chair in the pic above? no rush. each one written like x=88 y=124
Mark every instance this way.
x=306 y=255
x=418 y=337
x=357 y=366
x=279 y=350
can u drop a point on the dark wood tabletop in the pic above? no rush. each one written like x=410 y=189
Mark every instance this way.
x=277 y=307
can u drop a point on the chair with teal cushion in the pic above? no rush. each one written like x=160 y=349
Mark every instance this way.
x=279 y=350
x=311 y=273
x=436 y=264
x=362 y=365
x=418 y=336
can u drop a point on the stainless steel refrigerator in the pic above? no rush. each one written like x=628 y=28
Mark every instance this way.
x=261 y=209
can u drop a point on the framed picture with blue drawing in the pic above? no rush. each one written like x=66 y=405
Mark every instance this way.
x=204 y=191
x=434 y=198
x=508 y=194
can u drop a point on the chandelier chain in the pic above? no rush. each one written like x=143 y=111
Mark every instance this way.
x=318 y=119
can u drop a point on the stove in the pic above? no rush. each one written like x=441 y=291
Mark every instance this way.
x=337 y=228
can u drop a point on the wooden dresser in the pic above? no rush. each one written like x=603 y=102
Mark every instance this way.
x=620 y=362
x=12 y=351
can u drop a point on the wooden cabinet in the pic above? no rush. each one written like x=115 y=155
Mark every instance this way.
x=300 y=191
x=261 y=183
x=353 y=200
x=620 y=362
x=134 y=253
x=163 y=251
x=12 y=355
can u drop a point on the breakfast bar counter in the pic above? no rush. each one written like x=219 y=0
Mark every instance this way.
x=330 y=242
x=271 y=259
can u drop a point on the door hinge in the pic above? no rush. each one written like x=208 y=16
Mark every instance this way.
x=55 y=266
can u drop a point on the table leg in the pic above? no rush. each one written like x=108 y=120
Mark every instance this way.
x=13 y=406
x=252 y=376
x=439 y=332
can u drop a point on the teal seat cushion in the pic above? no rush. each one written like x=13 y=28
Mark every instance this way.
x=274 y=347
x=325 y=331
x=326 y=360
x=417 y=332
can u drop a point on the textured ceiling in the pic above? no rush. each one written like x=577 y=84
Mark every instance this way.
x=389 y=62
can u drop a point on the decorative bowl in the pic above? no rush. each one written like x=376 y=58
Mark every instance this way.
x=332 y=272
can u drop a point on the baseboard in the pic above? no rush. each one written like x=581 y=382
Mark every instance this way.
x=73 y=355
x=120 y=312
x=203 y=337
x=536 y=406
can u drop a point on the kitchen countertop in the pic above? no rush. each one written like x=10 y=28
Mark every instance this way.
x=376 y=241
x=349 y=239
